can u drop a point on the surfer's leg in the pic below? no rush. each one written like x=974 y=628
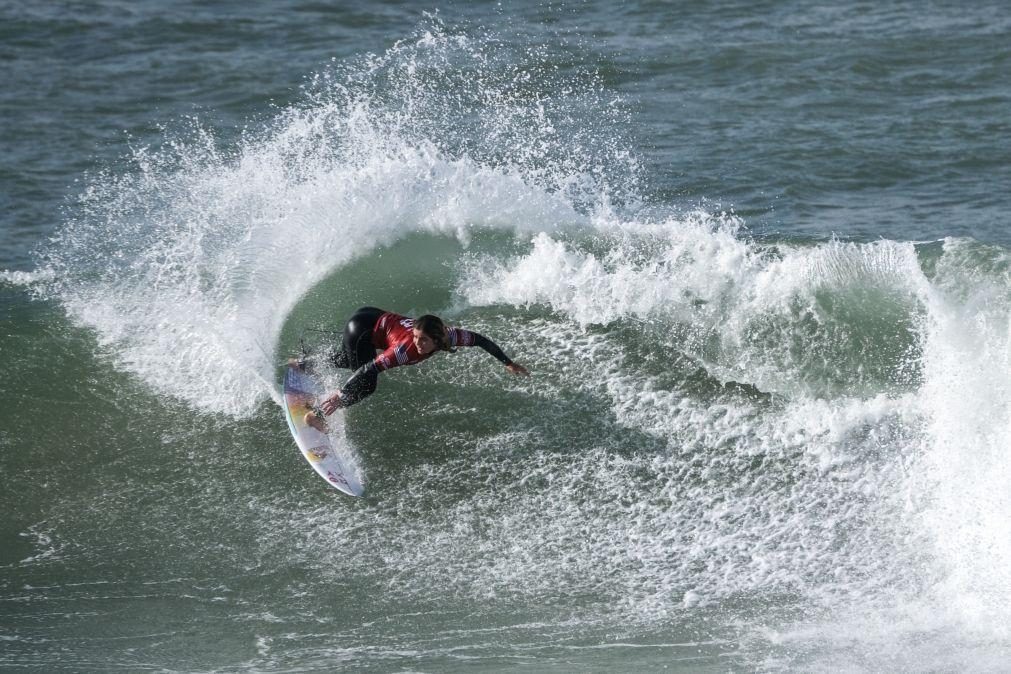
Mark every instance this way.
x=358 y=349
x=357 y=341
x=316 y=420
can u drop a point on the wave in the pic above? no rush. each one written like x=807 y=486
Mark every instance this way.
x=822 y=418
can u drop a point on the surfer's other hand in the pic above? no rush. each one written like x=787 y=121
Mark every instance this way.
x=516 y=368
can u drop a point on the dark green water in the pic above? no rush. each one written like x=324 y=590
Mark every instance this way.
x=753 y=254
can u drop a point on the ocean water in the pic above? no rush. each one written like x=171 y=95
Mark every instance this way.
x=756 y=256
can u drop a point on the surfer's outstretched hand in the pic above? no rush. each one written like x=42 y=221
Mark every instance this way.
x=516 y=368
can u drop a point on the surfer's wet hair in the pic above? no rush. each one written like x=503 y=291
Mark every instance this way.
x=435 y=329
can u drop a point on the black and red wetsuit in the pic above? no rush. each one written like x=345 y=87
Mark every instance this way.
x=370 y=330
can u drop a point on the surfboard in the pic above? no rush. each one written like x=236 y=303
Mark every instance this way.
x=301 y=392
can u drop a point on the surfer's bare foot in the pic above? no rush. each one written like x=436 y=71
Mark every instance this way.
x=314 y=420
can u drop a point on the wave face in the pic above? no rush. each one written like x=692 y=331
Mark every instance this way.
x=795 y=447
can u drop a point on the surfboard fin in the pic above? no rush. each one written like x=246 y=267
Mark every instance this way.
x=303 y=360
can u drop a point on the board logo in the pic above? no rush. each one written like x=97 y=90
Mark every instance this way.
x=337 y=479
x=317 y=454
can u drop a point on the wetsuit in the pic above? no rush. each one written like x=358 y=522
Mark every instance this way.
x=370 y=330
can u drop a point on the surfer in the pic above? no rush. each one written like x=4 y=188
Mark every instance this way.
x=399 y=341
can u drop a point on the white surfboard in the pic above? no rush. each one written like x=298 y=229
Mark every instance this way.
x=301 y=391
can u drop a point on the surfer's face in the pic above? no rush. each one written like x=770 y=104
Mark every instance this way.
x=423 y=342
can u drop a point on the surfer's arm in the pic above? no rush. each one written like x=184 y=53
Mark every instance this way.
x=359 y=385
x=461 y=337
x=362 y=383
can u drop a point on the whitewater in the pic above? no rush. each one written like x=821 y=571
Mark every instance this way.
x=737 y=450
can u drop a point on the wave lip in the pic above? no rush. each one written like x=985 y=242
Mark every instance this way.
x=827 y=319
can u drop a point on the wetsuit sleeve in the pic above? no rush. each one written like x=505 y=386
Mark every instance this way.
x=360 y=385
x=461 y=337
x=390 y=358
